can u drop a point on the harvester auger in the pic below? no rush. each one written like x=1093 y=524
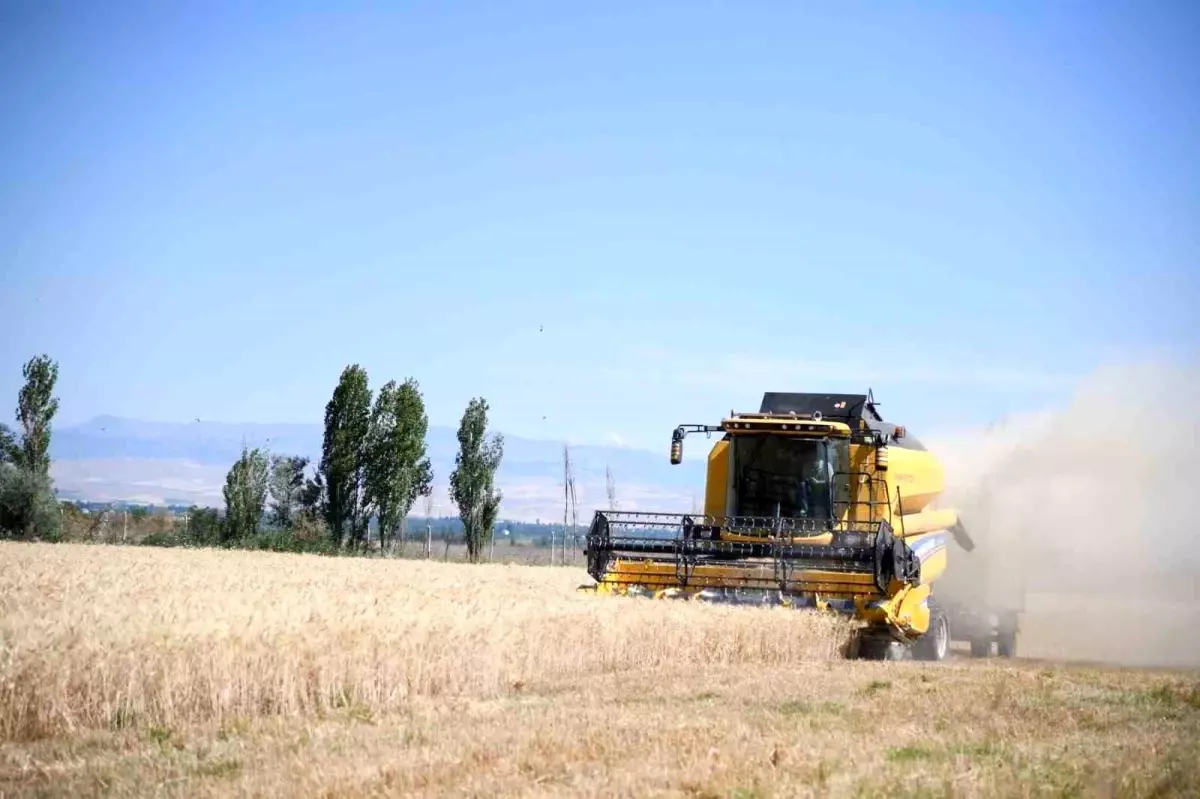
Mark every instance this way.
x=814 y=501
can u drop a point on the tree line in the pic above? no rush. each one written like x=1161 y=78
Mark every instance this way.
x=373 y=467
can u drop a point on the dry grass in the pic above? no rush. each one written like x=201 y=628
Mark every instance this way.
x=138 y=672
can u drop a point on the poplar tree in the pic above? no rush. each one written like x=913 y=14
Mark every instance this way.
x=343 y=456
x=472 y=485
x=36 y=407
x=28 y=506
x=398 y=470
x=245 y=495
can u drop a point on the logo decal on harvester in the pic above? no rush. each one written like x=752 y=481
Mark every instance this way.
x=929 y=546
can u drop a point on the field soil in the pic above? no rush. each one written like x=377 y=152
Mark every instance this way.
x=137 y=671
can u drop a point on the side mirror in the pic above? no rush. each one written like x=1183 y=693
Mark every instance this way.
x=677 y=447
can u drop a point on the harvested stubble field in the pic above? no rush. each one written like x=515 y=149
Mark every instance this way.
x=130 y=671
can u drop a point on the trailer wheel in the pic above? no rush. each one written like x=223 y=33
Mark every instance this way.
x=981 y=647
x=1006 y=635
x=935 y=643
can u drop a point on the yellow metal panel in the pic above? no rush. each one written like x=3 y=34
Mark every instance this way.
x=916 y=523
x=807 y=581
x=915 y=477
x=815 y=539
x=859 y=491
x=906 y=610
x=912 y=611
x=868 y=492
x=717 y=481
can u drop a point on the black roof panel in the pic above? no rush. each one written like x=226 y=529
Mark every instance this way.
x=830 y=406
x=848 y=408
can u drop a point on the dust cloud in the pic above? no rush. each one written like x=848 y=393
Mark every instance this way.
x=1085 y=519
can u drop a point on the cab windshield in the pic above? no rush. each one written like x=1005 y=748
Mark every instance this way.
x=784 y=476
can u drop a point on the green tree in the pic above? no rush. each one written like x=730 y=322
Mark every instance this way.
x=343 y=456
x=28 y=507
x=245 y=495
x=9 y=448
x=397 y=470
x=313 y=499
x=203 y=526
x=287 y=488
x=472 y=485
x=36 y=407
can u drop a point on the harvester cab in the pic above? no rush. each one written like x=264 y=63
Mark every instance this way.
x=812 y=501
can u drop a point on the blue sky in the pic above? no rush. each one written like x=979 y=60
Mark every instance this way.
x=605 y=219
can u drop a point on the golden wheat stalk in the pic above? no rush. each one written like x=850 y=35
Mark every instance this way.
x=100 y=636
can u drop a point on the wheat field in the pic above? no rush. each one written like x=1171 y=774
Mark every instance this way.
x=138 y=671
x=101 y=635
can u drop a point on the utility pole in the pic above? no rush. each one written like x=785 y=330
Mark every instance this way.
x=574 y=521
x=429 y=525
x=566 y=498
x=570 y=505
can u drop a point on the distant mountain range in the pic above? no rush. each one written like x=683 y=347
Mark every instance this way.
x=112 y=458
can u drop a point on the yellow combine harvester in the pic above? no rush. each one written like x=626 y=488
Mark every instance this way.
x=814 y=501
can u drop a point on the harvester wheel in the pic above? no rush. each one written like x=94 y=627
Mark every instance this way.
x=881 y=647
x=935 y=643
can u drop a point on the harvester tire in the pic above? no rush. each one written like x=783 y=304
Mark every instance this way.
x=880 y=647
x=935 y=643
